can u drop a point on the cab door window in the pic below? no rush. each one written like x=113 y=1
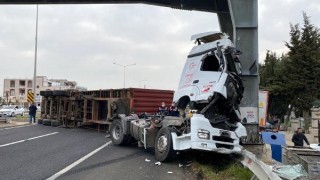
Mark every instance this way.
x=210 y=63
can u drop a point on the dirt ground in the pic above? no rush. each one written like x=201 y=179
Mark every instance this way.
x=11 y=122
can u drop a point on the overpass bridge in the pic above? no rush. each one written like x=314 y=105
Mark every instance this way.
x=238 y=18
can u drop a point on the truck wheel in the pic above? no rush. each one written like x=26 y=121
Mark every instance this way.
x=46 y=122
x=55 y=123
x=46 y=93
x=60 y=93
x=163 y=145
x=117 y=135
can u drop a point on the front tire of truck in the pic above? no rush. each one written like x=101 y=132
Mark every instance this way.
x=163 y=145
x=117 y=135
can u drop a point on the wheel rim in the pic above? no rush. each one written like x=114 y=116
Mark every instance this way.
x=116 y=132
x=162 y=143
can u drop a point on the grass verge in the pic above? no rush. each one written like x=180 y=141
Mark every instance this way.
x=215 y=166
x=234 y=171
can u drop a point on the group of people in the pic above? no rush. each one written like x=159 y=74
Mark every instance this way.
x=168 y=111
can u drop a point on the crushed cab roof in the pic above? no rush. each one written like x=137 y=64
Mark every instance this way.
x=208 y=36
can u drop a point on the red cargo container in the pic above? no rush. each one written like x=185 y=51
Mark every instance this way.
x=102 y=106
x=148 y=100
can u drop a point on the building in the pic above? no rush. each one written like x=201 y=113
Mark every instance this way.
x=15 y=90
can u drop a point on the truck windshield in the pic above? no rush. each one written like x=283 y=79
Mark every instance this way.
x=210 y=63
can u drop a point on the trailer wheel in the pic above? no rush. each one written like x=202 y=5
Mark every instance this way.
x=46 y=122
x=117 y=135
x=46 y=93
x=163 y=145
x=55 y=123
x=60 y=93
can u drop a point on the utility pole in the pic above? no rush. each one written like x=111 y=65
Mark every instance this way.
x=7 y=96
x=124 y=72
x=35 y=60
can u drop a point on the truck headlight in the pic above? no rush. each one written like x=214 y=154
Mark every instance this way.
x=203 y=134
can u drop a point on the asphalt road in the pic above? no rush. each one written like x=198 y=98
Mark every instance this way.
x=42 y=152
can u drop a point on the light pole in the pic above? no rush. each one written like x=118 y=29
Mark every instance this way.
x=144 y=84
x=35 y=59
x=124 y=71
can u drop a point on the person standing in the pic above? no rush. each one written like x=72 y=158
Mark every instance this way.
x=173 y=110
x=32 y=113
x=298 y=138
x=163 y=110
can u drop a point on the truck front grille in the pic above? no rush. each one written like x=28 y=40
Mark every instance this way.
x=224 y=146
x=222 y=138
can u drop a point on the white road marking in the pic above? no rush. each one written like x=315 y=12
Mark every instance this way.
x=66 y=169
x=12 y=143
x=42 y=136
x=16 y=142
x=16 y=127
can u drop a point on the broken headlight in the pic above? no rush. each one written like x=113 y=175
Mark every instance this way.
x=203 y=134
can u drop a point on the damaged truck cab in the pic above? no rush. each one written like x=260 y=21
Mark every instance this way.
x=208 y=97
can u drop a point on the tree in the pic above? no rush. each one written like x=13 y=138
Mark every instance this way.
x=302 y=69
x=267 y=71
x=272 y=80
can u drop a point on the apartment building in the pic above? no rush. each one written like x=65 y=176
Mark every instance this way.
x=15 y=90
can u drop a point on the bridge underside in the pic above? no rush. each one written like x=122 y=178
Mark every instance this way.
x=203 y=5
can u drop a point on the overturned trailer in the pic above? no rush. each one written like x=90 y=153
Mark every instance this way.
x=99 y=107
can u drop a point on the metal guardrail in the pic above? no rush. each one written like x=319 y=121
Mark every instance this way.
x=259 y=168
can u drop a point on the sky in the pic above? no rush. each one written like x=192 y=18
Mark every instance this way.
x=82 y=42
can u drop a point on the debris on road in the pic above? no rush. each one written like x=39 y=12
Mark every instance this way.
x=147 y=160
x=188 y=163
x=307 y=157
x=290 y=171
x=180 y=165
x=170 y=172
x=315 y=146
x=158 y=163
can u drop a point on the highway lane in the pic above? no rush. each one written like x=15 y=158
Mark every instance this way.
x=45 y=151
x=11 y=134
x=129 y=162
x=42 y=157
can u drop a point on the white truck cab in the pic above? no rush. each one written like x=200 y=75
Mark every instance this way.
x=207 y=68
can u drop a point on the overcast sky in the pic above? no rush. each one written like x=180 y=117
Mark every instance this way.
x=81 y=42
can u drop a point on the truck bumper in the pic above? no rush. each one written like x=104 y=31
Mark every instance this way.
x=205 y=137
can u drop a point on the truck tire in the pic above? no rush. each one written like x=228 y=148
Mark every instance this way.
x=46 y=93
x=55 y=123
x=117 y=135
x=60 y=93
x=163 y=145
x=46 y=122
x=39 y=121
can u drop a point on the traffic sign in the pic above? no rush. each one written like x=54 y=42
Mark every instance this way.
x=30 y=97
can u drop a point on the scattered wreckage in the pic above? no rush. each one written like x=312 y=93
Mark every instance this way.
x=208 y=99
